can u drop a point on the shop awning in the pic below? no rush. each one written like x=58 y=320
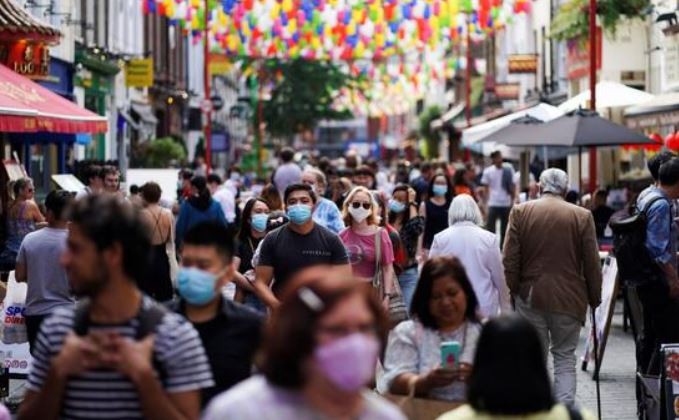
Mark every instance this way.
x=663 y=110
x=145 y=113
x=25 y=106
x=16 y=24
x=448 y=116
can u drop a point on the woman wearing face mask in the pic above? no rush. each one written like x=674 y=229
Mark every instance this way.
x=200 y=207
x=320 y=351
x=360 y=239
x=252 y=231
x=444 y=310
x=435 y=209
x=404 y=218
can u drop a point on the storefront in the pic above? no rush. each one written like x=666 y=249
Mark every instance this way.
x=95 y=75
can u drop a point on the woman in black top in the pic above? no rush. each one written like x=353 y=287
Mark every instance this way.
x=252 y=231
x=404 y=218
x=435 y=209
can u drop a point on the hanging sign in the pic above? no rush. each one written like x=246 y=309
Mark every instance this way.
x=28 y=59
x=523 y=63
x=139 y=73
x=507 y=91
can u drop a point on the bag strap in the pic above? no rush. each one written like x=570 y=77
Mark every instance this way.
x=378 y=256
x=150 y=316
x=648 y=205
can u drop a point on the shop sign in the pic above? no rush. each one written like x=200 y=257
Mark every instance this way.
x=671 y=61
x=28 y=59
x=139 y=73
x=220 y=65
x=577 y=56
x=507 y=91
x=523 y=63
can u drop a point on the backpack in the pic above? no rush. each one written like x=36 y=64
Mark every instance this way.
x=150 y=316
x=635 y=265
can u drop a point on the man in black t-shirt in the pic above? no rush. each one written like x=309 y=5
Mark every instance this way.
x=230 y=332
x=297 y=245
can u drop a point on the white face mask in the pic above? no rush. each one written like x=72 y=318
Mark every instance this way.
x=359 y=214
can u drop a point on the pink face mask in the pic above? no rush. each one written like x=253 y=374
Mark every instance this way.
x=348 y=362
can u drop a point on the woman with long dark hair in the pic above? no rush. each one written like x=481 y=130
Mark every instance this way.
x=404 y=218
x=435 y=209
x=510 y=377
x=444 y=309
x=253 y=229
x=199 y=207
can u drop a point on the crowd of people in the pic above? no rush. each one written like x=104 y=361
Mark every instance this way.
x=323 y=293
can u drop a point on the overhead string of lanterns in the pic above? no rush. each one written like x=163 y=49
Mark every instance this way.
x=400 y=45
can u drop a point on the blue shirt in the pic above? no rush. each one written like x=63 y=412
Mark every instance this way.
x=190 y=216
x=328 y=215
x=661 y=231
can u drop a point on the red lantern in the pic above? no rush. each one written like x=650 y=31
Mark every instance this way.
x=657 y=138
x=672 y=141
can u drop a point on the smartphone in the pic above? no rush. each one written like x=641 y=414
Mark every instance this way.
x=450 y=354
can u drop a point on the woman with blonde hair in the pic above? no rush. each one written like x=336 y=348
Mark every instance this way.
x=364 y=239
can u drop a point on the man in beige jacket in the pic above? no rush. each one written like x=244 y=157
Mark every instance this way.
x=553 y=272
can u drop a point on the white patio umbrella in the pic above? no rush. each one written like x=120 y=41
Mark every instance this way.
x=608 y=95
x=543 y=112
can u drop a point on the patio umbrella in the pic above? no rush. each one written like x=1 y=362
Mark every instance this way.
x=581 y=128
x=609 y=95
x=515 y=132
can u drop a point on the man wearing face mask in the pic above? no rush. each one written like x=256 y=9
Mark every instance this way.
x=299 y=244
x=230 y=332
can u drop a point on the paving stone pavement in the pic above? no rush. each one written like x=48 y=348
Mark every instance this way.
x=618 y=401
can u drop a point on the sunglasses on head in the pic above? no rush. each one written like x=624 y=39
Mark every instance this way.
x=357 y=204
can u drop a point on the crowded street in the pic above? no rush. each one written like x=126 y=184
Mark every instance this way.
x=339 y=209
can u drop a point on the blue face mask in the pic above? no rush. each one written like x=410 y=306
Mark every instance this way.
x=258 y=222
x=396 y=206
x=299 y=214
x=196 y=286
x=440 y=190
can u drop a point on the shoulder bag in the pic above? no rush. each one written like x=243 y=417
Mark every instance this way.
x=397 y=307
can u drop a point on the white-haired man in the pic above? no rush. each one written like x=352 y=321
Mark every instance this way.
x=552 y=268
x=326 y=212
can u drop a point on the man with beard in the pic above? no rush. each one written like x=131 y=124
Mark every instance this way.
x=118 y=352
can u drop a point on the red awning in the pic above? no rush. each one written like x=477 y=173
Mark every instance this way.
x=25 y=106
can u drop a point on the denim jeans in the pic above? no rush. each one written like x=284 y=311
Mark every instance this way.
x=408 y=281
x=559 y=334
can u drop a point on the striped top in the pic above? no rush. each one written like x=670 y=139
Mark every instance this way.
x=105 y=393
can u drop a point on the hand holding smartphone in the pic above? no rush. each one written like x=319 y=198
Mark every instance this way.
x=450 y=354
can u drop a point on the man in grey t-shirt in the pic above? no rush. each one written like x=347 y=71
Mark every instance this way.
x=288 y=172
x=38 y=264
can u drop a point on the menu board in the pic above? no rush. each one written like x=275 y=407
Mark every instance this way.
x=603 y=314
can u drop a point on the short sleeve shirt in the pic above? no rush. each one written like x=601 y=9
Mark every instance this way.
x=414 y=348
x=288 y=252
x=361 y=250
x=492 y=177
x=48 y=286
x=177 y=347
x=257 y=399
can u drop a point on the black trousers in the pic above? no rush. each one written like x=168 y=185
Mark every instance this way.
x=660 y=325
x=501 y=213
x=33 y=323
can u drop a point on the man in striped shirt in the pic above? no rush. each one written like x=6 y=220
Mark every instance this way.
x=104 y=369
